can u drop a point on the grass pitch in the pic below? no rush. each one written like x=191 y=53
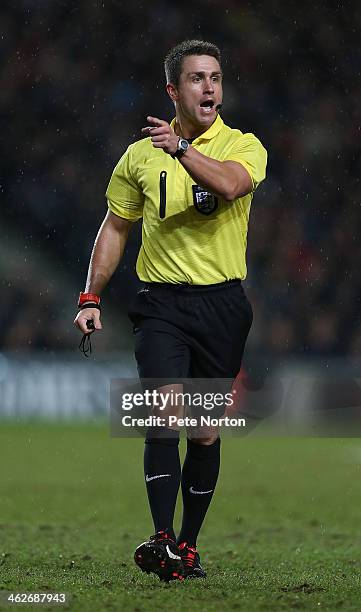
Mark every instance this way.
x=283 y=531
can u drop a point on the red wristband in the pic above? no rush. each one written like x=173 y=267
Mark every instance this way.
x=88 y=297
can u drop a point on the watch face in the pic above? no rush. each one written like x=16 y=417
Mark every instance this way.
x=183 y=144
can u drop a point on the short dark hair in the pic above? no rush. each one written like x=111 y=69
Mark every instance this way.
x=174 y=58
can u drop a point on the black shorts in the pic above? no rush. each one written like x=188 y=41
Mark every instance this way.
x=190 y=331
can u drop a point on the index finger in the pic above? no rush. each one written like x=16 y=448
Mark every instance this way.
x=156 y=121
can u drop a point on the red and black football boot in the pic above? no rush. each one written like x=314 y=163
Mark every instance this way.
x=191 y=561
x=161 y=556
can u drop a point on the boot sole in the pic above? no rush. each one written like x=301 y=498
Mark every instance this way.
x=151 y=558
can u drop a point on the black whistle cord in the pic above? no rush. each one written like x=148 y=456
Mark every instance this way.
x=85 y=345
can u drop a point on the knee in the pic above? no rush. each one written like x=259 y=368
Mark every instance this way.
x=162 y=435
x=206 y=441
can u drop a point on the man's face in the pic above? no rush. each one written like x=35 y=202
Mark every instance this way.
x=199 y=90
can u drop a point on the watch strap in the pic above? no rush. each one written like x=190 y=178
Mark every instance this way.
x=89 y=305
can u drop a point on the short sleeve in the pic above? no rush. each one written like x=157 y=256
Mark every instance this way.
x=123 y=193
x=249 y=151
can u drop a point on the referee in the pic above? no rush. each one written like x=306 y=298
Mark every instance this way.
x=192 y=183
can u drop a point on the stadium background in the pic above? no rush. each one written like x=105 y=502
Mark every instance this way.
x=77 y=81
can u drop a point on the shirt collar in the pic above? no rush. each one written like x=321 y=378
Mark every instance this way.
x=212 y=131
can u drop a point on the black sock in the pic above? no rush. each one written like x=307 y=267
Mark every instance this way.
x=199 y=478
x=162 y=472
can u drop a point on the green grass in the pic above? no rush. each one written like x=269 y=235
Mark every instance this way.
x=283 y=531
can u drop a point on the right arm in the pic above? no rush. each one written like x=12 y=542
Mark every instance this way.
x=107 y=252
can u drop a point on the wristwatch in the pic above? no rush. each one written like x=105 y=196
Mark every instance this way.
x=182 y=146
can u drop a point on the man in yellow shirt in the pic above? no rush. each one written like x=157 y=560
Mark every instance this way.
x=192 y=183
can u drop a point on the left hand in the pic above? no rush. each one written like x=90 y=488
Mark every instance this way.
x=162 y=135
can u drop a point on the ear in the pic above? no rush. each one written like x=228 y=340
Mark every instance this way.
x=172 y=92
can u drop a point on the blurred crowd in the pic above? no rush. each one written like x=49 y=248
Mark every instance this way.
x=78 y=80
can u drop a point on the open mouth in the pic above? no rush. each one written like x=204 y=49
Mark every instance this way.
x=207 y=105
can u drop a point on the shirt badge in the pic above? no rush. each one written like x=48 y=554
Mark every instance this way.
x=204 y=201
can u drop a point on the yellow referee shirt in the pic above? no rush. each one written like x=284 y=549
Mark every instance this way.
x=201 y=239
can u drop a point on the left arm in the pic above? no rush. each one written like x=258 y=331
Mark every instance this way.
x=228 y=179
